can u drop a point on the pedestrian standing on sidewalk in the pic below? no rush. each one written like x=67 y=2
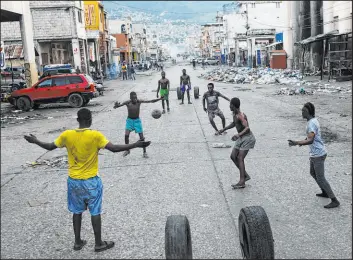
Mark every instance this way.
x=132 y=69
x=244 y=141
x=124 y=70
x=85 y=188
x=317 y=153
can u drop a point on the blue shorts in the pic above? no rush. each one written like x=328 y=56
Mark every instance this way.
x=183 y=88
x=85 y=193
x=134 y=125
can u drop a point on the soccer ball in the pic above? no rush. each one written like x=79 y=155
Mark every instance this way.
x=156 y=114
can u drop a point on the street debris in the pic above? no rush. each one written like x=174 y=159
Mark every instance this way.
x=268 y=76
x=13 y=117
x=220 y=145
x=55 y=162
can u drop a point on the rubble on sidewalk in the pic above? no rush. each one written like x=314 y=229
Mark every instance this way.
x=268 y=76
x=244 y=75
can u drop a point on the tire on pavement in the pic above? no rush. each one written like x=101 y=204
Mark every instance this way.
x=75 y=100
x=179 y=92
x=178 y=238
x=23 y=103
x=196 y=92
x=255 y=234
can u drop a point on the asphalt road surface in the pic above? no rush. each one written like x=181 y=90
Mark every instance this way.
x=184 y=175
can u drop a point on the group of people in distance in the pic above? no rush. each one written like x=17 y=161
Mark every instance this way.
x=85 y=188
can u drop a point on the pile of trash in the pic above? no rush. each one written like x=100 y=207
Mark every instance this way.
x=244 y=75
x=294 y=91
x=56 y=162
x=17 y=119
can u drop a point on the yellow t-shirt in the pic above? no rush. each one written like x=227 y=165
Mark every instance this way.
x=82 y=147
x=123 y=68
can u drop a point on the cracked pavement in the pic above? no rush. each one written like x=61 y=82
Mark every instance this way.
x=184 y=175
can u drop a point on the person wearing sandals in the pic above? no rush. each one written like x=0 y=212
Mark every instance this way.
x=133 y=121
x=317 y=154
x=85 y=188
x=244 y=141
x=211 y=96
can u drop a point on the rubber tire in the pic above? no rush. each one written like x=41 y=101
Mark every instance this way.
x=196 y=92
x=25 y=103
x=179 y=93
x=255 y=234
x=81 y=101
x=178 y=238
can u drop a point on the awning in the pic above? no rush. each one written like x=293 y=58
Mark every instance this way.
x=273 y=44
x=319 y=37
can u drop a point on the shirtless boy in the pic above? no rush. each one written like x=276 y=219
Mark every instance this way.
x=185 y=85
x=133 y=121
x=211 y=96
x=244 y=141
x=163 y=89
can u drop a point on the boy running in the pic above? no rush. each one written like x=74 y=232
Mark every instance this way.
x=85 y=188
x=185 y=85
x=317 y=154
x=244 y=141
x=133 y=121
x=212 y=106
x=163 y=89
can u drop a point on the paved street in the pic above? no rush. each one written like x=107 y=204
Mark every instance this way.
x=184 y=175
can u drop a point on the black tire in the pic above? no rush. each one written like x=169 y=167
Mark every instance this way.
x=23 y=103
x=36 y=106
x=178 y=238
x=255 y=234
x=75 y=100
x=196 y=92
x=179 y=92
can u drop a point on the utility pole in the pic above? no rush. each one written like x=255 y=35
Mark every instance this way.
x=247 y=30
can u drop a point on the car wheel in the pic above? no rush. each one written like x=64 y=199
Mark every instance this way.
x=75 y=100
x=23 y=103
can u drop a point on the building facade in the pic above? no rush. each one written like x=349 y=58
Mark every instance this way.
x=59 y=33
x=19 y=14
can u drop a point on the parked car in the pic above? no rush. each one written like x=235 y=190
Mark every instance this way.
x=211 y=61
x=76 y=89
x=56 y=69
x=17 y=71
x=199 y=60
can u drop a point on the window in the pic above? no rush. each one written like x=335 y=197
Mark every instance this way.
x=45 y=84
x=79 y=16
x=278 y=5
x=60 y=81
x=75 y=79
x=252 y=5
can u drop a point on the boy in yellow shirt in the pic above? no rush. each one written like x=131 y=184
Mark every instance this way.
x=85 y=188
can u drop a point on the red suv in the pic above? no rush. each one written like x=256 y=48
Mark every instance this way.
x=76 y=89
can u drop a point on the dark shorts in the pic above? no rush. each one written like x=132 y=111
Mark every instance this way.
x=85 y=193
x=185 y=87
